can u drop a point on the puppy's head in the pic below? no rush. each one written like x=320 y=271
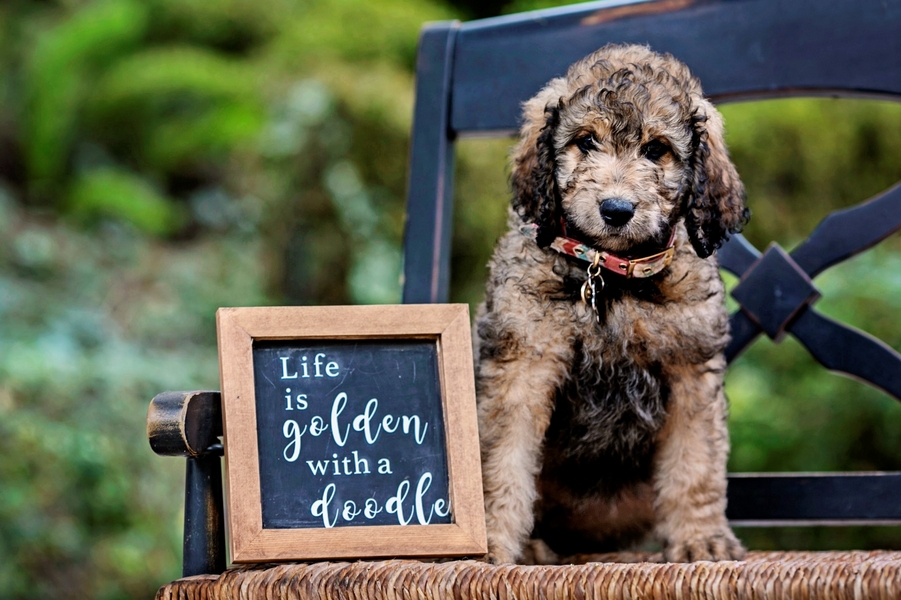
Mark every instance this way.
x=619 y=150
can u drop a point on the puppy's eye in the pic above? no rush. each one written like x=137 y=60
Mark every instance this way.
x=655 y=150
x=586 y=143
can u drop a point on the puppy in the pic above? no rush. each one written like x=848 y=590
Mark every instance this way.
x=600 y=342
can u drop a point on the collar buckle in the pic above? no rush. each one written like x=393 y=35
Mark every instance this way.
x=651 y=265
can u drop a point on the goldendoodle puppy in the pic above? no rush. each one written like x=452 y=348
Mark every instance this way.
x=600 y=342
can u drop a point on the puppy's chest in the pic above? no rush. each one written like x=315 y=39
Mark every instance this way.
x=613 y=402
x=606 y=417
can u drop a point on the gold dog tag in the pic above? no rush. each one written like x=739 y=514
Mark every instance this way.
x=593 y=286
x=587 y=294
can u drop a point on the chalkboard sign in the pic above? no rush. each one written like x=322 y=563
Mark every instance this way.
x=350 y=432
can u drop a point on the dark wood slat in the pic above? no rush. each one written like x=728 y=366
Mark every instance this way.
x=427 y=232
x=846 y=233
x=743 y=330
x=204 y=542
x=189 y=424
x=776 y=498
x=774 y=290
x=849 y=351
x=737 y=255
x=750 y=48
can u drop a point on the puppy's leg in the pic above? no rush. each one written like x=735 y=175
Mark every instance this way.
x=690 y=470
x=515 y=384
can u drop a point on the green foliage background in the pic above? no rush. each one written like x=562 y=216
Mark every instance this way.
x=162 y=158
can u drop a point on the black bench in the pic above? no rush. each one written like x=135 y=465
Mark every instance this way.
x=471 y=79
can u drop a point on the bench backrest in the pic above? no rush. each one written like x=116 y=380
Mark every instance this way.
x=473 y=77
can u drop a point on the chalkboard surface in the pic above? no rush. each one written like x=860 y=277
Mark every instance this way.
x=350 y=433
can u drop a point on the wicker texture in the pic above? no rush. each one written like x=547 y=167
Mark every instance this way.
x=770 y=576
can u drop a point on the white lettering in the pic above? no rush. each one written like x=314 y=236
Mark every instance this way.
x=414 y=420
x=370 y=425
x=387 y=421
x=361 y=422
x=350 y=510
x=425 y=482
x=395 y=504
x=319 y=467
x=318 y=363
x=337 y=408
x=371 y=508
x=293 y=432
x=320 y=507
x=360 y=461
x=285 y=375
x=317 y=426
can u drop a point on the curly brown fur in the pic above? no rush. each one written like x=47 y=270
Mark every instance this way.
x=598 y=429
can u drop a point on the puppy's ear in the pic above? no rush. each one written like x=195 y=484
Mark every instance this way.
x=535 y=193
x=716 y=197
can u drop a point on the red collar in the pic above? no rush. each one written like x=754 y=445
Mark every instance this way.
x=639 y=268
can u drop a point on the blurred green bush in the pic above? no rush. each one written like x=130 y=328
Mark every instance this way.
x=162 y=158
x=159 y=159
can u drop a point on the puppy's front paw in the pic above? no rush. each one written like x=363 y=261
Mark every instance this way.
x=499 y=557
x=537 y=552
x=722 y=545
x=502 y=551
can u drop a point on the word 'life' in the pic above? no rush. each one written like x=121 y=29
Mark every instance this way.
x=330 y=368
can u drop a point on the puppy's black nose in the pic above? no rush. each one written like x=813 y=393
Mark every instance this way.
x=616 y=211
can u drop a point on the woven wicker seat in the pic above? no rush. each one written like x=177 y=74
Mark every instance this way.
x=770 y=576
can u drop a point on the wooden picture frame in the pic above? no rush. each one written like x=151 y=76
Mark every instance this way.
x=244 y=331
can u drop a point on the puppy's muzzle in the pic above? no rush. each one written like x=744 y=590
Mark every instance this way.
x=616 y=212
